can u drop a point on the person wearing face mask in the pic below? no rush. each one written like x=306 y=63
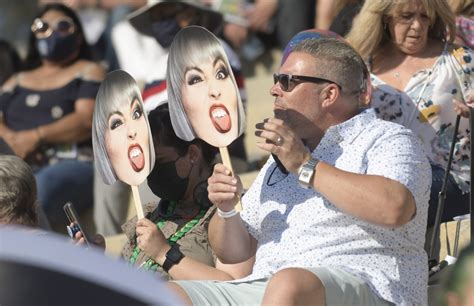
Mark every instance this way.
x=162 y=20
x=141 y=43
x=46 y=110
x=172 y=239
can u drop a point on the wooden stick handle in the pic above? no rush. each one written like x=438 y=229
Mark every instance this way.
x=226 y=161
x=138 y=202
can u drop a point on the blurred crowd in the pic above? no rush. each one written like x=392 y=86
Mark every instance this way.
x=419 y=56
x=110 y=35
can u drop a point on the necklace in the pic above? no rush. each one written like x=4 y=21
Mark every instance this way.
x=150 y=264
x=397 y=74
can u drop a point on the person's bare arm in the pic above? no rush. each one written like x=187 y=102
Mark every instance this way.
x=372 y=198
x=261 y=13
x=73 y=127
x=153 y=243
x=110 y=4
x=190 y=269
x=324 y=14
x=229 y=238
x=76 y=126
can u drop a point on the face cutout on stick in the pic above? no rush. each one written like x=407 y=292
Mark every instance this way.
x=123 y=146
x=204 y=99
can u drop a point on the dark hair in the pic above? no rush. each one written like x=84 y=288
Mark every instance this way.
x=33 y=58
x=337 y=61
x=9 y=61
x=163 y=133
x=17 y=192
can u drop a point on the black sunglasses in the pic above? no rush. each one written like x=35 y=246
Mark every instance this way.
x=288 y=82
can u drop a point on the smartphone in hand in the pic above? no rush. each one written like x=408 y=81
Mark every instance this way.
x=74 y=224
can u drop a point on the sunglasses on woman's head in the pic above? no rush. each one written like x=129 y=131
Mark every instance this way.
x=288 y=82
x=42 y=29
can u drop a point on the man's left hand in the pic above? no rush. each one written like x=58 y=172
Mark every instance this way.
x=283 y=142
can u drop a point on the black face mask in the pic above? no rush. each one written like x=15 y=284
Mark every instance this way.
x=56 y=47
x=165 y=182
x=165 y=30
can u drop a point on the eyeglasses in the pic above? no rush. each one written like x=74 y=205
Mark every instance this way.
x=288 y=82
x=42 y=29
x=408 y=18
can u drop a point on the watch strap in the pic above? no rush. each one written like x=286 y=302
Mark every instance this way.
x=173 y=257
x=306 y=172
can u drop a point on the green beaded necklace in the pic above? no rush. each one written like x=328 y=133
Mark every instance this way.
x=150 y=264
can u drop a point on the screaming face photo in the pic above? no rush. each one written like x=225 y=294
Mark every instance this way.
x=203 y=96
x=123 y=147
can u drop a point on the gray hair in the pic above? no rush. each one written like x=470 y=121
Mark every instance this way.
x=191 y=47
x=337 y=61
x=117 y=89
x=17 y=192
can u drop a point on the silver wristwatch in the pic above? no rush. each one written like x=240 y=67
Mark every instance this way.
x=306 y=172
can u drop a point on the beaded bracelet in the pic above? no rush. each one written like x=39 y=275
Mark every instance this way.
x=226 y=214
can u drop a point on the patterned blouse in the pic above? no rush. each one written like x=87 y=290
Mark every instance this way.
x=426 y=107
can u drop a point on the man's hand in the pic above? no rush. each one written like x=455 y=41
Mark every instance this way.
x=151 y=240
x=283 y=142
x=224 y=189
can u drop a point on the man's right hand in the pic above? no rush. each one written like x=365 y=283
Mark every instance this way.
x=224 y=189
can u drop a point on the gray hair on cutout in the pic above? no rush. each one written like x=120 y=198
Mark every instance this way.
x=191 y=47
x=117 y=90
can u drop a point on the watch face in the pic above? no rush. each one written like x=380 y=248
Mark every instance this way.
x=307 y=173
x=305 y=177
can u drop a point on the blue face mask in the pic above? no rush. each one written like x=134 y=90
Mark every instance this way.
x=56 y=47
x=165 y=30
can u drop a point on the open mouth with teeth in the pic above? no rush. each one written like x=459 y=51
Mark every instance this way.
x=220 y=118
x=136 y=157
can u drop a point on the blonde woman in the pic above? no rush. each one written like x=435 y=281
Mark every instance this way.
x=421 y=81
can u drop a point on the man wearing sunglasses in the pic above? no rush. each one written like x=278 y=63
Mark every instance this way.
x=342 y=220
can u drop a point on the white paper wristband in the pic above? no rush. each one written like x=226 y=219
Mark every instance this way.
x=226 y=214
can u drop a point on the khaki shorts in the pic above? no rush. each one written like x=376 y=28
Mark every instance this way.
x=341 y=287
